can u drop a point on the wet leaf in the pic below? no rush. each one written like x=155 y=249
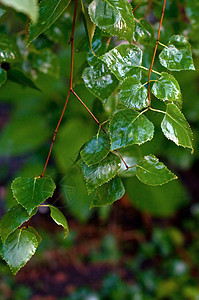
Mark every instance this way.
x=100 y=81
x=9 y=52
x=59 y=218
x=28 y=7
x=143 y=31
x=90 y=25
x=131 y=155
x=177 y=56
x=114 y=17
x=128 y=127
x=3 y=76
x=101 y=173
x=96 y=149
x=49 y=11
x=12 y=219
x=132 y=94
x=176 y=128
x=167 y=88
x=20 y=246
x=30 y=192
x=150 y=171
x=123 y=60
x=108 y=193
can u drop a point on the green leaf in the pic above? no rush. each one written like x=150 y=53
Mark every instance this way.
x=23 y=134
x=131 y=155
x=152 y=172
x=9 y=52
x=59 y=218
x=30 y=192
x=124 y=61
x=114 y=17
x=177 y=56
x=99 y=80
x=132 y=94
x=96 y=149
x=14 y=218
x=45 y=61
x=20 y=246
x=66 y=156
x=128 y=127
x=143 y=31
x=102 y=172
x=167 y=88
x=3 y=76
x=28 y=7
x=176 y=128
x=108 y=193
x=159 y=201
x=18 y=76
x=90 y=25
x=34 y=231
x=49 y=12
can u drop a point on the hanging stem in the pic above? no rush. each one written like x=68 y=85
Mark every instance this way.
x=155 y=50
x=70 y=89
x=69 y=92
x=96 y=120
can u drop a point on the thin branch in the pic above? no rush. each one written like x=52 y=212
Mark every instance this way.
x=70 y=89
x=137 y=6
x=96 y=120
x=155 y=50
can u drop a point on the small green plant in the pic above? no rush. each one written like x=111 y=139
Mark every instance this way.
x=115 y=75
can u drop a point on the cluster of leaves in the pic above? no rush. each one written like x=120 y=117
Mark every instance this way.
x=113 y=75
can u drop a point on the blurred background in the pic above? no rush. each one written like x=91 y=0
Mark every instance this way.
x=146 y=245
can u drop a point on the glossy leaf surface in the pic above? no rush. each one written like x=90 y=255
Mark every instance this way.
x=108 y=193
x=20 y=246
x=132 y=94
x=100 y=81
x=59 y=218
x=90 y=25
x=176 y=128
x=96 y=149
x=49 y=11
x=18 y=76
x=150 y=171
x=131 y=155
x=114 y=17
x=143 y=31
x=123 y=60
x=177 y=56
x=30 y=192
x=14 y=218
x=3 y=76
x=167 y=88
x=9 y=51
x=28 y=7
x=101 y=173
x=128 y=127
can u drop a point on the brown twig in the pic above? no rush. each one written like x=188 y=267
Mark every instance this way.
x=96 y=120
x=137 y=6
x=70 y=89
x=155 y=50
